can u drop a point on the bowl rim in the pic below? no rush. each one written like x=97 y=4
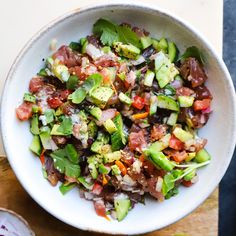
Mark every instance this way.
x=139 y=6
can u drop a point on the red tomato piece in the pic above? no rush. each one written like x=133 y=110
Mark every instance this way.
x=187 y=183
x=138 y=102
x=201 y=104
x=24 y=111
x=175 y=143
x=64 y=94
x=54 y=102
x=100 y=208
x=97 y=189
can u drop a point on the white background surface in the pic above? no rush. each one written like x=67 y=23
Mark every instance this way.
x=20 y=19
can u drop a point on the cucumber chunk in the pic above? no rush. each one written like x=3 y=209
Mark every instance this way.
x=122 y=207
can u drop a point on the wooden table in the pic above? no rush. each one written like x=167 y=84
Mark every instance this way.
x=207 y=16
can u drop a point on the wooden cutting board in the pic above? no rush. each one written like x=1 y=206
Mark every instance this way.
x=204 y=15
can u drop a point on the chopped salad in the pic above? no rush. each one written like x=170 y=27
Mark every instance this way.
x=116 y=114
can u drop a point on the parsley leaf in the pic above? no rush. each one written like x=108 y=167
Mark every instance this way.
x=66 y=126
x=63 y=165
x=78 y=95
x=193 y=52
x=110 y=33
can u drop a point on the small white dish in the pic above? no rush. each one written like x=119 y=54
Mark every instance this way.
x=220 y=130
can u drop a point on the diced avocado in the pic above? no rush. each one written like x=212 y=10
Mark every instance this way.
x=185 y=101
x=110 y=157
x=166 y=102
x=148 y=78
x=125 y=99
x=104 y=138
x=127 y=50
x=35 y=109
x=101 y=95
x=45 y=139
x=153 y=105
x=36 y=146
x=85 y=183
x=58 y=112
x=34 y=125
x=191 y=155
x=97 y=147
x=202 y=156
x=172 y=119
x=182 y=135
x=93 y=170
x=92 y=129
x=190 y=175
x=172 y=51
x=122 y=207
x=115 y=170
x=103 y=169
x=28 y=97
x=106 y=49
x=96 y=112
x=166 y=74
x=54 y=130
x=160 y=60
x=163 y=45
x=146 y=41
x=110 y=126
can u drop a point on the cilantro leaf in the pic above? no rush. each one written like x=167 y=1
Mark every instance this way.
x=193 y=52
x=108 y=37
x=66 y=126
x=92 y=82
x=168 y=183
x=128 y=36
x=102 y=24
x=78 y=95
x=63 y=165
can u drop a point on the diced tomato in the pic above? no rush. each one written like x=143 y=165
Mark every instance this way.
x=178 y=156
x=138 y=102
x=175 y=143
x=201 y=104
x=36 y=83
x=54 y=102
x=187 y=183
x=64 y=94
x=100 y=208
x=97 y=189
x=24 y=111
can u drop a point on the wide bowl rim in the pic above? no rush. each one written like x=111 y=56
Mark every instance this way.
x=138 y=6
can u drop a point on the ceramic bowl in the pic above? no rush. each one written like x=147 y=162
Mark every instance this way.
x=220 y=130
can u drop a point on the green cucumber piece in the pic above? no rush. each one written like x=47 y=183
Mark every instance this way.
x=166 y=102
x=110 y=126
x=185 y=101
x=96 y=112
x=103 y=169
x=153 y=105
x=28 y=97
x=172 y=51
x=146 y=41
x=101 y=95
x=34 y=125
x=85 y=183
x=163 y=45
x=36 y=146
x=97 y=147
x=202 y=156
x=122 y=207
x=148 y=78
x=125 y=99
x=161 y=161
x=182 y=135
x=172 y=119
x=93 y=170
x=115 y=170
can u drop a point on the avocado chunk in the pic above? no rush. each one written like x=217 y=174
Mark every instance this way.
x=202 y=156
x=55 y=132
x=97 y=147
x=182 y=135
x=96 y=112
x=172 y=51
x=34 y=125
x=185 y=101
x=166 y=102
x=163 y=45
x=110 y=157
x=127 y=50
x=122 y=207
x=92 y=129
x=148 y=79
x=110 y=126
x=172 y=119
x=45 y=139
x=125 y=99
x=36 y=146
x=101 y=95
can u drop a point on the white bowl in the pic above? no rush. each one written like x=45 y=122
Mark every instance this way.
x=220 y=130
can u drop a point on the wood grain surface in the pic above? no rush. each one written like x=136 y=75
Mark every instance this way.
x=202 y=222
